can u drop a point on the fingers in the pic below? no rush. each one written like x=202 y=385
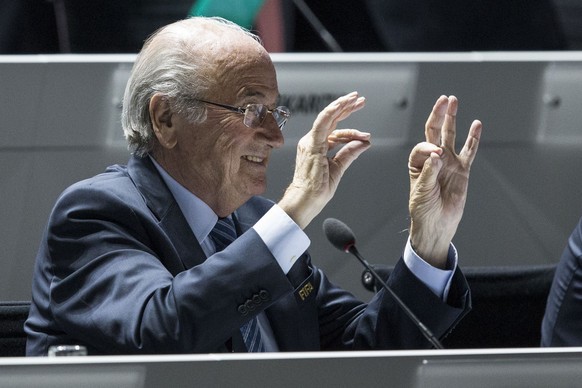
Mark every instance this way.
x=472 y=143
x=434 y=124
x=344 y=136
x=449 y=128
x=345 y=157
x=420 y=153
x=356 y=142
x=430 y=171
x=440 y=128
x=338 y=110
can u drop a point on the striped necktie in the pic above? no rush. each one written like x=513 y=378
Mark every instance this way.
x=223 y=234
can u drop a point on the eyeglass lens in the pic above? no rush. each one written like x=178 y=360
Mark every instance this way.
x=255 y=115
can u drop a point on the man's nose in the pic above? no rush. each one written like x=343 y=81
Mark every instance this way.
x=272 y=132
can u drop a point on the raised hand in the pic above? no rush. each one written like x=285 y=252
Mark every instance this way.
x=439 y=179
x=317 y=175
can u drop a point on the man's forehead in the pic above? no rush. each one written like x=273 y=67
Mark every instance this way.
x=262 y=95
x=250 y=93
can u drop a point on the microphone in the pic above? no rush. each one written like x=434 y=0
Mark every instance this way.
x=342 y=237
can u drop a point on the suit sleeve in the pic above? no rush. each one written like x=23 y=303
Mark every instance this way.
x=382 y=324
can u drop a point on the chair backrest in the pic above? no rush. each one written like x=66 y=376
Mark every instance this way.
x=12 y=336
x=508 y=305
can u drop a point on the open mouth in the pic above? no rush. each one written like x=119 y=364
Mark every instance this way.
x=254 y=159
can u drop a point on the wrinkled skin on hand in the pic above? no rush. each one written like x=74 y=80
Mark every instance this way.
x=439 y=179
x=317 y=175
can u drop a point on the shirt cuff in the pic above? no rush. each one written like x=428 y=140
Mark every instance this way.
x=284 y=238
x=438 y=280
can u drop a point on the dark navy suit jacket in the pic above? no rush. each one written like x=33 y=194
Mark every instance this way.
x=120 y=271
x=562 y=322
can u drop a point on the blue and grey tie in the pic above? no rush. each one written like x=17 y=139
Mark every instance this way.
x=223 y=234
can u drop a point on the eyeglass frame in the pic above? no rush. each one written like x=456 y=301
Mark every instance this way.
x=283 y=112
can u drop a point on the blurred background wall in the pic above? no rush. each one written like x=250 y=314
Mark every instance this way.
x=60 y=113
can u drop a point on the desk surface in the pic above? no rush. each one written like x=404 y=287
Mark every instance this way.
x=557 y=367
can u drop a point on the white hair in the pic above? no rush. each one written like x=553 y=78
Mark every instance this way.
x=168 y=64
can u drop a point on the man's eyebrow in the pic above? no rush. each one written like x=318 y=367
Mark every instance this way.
x=254 y=93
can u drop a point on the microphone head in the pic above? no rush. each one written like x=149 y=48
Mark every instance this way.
x=339 y=234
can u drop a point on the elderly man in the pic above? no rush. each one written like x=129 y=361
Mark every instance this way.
x=177 y=253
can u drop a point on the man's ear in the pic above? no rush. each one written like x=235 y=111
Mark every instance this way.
x=161 y=118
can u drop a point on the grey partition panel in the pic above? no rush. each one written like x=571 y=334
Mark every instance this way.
x=428 y=368
x=60 y=123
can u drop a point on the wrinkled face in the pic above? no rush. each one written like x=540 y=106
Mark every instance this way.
x=222 y=159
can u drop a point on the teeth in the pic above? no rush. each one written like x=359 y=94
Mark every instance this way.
x=255 y=159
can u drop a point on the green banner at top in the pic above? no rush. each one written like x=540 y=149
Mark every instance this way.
x=242 y=12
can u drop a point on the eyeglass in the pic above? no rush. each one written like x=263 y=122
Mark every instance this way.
x=255 y=113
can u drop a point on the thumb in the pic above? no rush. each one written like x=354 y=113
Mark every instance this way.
x=430 y=171
x=345 y=156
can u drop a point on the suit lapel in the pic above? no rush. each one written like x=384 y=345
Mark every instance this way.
x=160 y=201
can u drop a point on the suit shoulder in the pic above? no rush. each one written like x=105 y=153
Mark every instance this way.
x=115 y=176
x=112 y=185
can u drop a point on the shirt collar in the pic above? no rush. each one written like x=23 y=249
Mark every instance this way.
x=198 y=214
